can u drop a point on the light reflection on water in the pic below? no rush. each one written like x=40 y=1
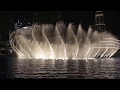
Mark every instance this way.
x=68 y=69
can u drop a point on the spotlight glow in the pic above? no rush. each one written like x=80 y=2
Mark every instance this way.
x=47 y=41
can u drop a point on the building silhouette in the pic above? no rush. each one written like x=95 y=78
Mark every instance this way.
x=18 y=25
x=7 y=19
x=100 y=21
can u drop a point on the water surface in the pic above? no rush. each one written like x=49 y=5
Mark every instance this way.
x=11 y=68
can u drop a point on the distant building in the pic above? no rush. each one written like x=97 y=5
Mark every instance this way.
x=18 y=25
x=5 y=48
x=100 y=21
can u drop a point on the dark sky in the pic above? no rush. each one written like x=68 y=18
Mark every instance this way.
x=86 y=18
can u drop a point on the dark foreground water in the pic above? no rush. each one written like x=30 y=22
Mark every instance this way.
x=11 y=68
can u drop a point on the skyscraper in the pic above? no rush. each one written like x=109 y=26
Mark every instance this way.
x=100 y=21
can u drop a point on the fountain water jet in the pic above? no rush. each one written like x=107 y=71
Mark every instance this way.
x=46 y=41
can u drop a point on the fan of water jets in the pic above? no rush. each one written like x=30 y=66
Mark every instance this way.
x=48 y=41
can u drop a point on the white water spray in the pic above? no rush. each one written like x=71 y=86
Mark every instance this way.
x=47 y=41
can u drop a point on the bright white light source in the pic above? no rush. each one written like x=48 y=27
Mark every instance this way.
x=25 y=27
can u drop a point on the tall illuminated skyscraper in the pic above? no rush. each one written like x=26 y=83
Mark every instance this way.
x=100 y=21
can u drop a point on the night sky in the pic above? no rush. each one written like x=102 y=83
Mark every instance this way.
x=86 y=18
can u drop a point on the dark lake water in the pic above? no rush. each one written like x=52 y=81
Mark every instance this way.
x=11 y=68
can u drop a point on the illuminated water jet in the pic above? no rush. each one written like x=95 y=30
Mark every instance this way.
x=47 y=41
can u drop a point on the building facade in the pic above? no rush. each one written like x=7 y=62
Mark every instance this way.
x=100 y=21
